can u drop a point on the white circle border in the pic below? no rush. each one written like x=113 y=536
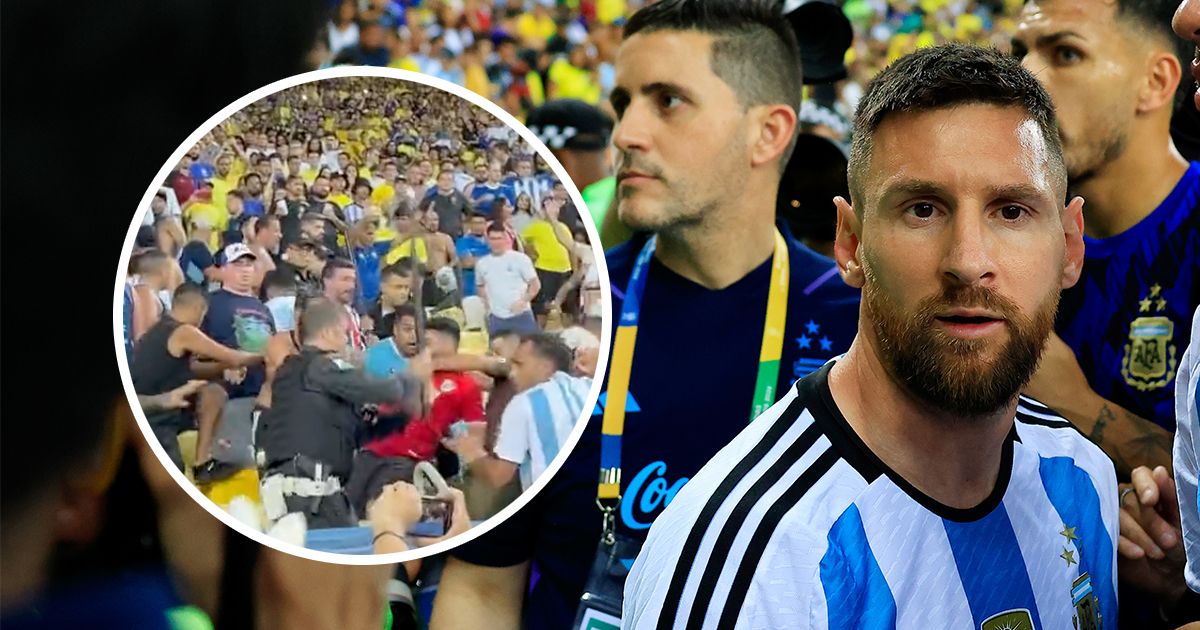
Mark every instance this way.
x=580 y=424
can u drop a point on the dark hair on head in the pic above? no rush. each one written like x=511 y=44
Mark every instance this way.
x=333 y=265
x=401 y=268
x=942 y=77
x=247 y=176
x=279 y=280
x=1154 y=16
x=264 y=223
x=754 y=49
x=402 y=311
x=444 y=325
x=495 y=227
x=551 y=347
x=362 y=183
x=187 y=293
x=236 y=193
x=318 y=316
x=148 y=261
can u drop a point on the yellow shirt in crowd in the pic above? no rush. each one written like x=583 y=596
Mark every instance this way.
x=531 y=27
x=216 y=217
x=551 y=255
x=607 y=11
x=572 y=82
x=405 y=250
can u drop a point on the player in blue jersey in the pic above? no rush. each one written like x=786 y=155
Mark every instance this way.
x=907 y=484
x=706 y=98
x=1112 y=69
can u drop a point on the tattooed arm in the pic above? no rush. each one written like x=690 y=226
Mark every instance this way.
x=1129 y=440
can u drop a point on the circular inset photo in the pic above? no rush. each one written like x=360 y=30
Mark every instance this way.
x=360 y=312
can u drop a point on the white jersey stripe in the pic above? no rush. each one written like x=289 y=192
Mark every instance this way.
x=919 y=566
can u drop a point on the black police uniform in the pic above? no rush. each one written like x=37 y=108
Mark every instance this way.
x=312 y=428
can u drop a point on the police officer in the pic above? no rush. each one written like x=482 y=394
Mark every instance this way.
x=307 y=439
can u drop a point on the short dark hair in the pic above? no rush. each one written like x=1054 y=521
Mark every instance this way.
x=319 y=316
x=942 y=77
x=148 y=261
x=236 y=193
x=446 y=326
x=333 y=265
x=551 y=347
x=264 y=223
x=247 y=176
x=362 y=183
x=1154 y=16
x=754 y=49
x=187 y=293
x=402 y=311
x=279 y=280
x=401 y=268
x=496 y=227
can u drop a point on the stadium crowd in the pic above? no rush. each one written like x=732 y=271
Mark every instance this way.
x=362 y=262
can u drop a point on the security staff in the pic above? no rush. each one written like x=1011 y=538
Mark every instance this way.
x=307 y=439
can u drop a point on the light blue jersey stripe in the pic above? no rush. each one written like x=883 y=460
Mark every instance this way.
x=543 y=420
x=991 y=566
x=571 y=400
x=856 y=593
x=1073 y=496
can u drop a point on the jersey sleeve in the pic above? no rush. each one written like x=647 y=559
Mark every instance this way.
x=353 y=385
x=1187 y=450
x=512 y=440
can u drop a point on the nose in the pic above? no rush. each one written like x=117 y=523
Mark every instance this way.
x=1187 y=20
x=632 y=132
x=968 y=259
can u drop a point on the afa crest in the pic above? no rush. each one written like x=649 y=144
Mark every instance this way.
x=1150 y=361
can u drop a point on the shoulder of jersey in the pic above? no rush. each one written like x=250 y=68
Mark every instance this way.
x=1046 y=431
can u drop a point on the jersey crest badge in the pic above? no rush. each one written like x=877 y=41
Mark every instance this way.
x=1017 y=619
x=1149 y=362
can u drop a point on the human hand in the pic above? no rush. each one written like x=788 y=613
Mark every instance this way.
x=178 y=398
x=396 y=509
x=470 y=445
x=235 y=376
x=1150 y=552
x=420 y=367
x=460 y=521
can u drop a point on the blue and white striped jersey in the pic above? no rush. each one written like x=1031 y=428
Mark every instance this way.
x=796 y=524
x=537 y=422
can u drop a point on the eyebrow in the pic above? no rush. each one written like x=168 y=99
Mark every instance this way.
x=920 y=187
x=1052 y=38
x=622 y=94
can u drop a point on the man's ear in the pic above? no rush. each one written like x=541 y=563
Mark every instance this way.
x=1161 y=80
x=846 y=244
x=1072 y=219
x=771 y=136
